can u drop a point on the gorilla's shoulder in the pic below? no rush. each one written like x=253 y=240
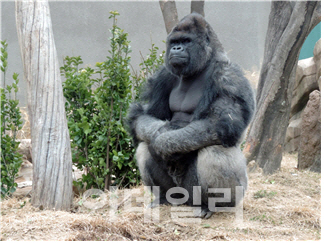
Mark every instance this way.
x=229 y=74
x=228 y=80
x=162 y=77
x=159 y=85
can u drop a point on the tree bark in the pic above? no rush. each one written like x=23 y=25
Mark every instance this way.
x=52 y=170
x=289 y=25
x=170 y=14
x=198 y=7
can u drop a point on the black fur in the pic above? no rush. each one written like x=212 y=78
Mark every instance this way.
x=135 y=110
x=221 y=116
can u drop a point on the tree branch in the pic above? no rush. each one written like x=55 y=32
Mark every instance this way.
x=289 y=25
x=170 y=14
x=198 y=6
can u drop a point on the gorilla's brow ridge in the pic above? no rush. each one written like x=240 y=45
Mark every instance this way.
x=180 y=36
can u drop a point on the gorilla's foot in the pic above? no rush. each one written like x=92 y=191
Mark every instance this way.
x=203 y=212
x=157 y=202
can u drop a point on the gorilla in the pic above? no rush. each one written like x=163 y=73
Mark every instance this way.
x=191 y=118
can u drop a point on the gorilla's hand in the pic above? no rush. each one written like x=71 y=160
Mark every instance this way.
x=158 y=155
x=162 y=129
x=148 y=128
x=196 y=135
x=164 y=157
x=158 y=149
x=144 y=127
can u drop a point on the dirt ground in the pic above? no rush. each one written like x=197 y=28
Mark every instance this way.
x=282 y=206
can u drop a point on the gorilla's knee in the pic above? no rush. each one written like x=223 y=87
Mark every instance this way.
x=219 y=167
x=152 y=172
x=142 y=155
x=144 y=162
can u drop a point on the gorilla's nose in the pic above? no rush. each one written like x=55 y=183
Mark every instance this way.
x=176 y=49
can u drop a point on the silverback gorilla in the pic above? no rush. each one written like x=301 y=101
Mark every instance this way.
x=191 y=119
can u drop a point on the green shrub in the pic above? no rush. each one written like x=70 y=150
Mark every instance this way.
x=11 y=123
x=96 y=105
x=147 y=68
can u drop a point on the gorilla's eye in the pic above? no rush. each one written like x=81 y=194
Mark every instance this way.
x=186 y=40
x=176 y=42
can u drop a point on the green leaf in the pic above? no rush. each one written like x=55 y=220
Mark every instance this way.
x=86 y=128
x=15 y=76
x=12 y=190
x=102 y=162
x=206 y=226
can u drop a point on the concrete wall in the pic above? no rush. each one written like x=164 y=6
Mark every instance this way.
x=81 y=28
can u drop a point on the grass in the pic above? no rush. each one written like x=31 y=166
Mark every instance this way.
x=282 y=206
x=264 y=193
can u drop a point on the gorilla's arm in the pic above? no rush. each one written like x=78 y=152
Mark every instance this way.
x=143 y=127
x=196 y=135
x=145 y=122
x=226 y=131
x=148 y=128
x=225 y=122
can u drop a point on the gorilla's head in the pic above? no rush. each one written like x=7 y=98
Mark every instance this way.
x=191 y=45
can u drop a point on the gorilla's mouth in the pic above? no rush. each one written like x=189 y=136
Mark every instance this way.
x=178 y=56
x=178 y=60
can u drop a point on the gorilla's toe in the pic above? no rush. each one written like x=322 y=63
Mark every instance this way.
x=203 y=213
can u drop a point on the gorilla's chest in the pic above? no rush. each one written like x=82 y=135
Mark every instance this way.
x=184 y=99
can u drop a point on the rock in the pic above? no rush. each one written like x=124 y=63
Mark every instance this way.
x=77 y=175
x=309 y=154
x=293 y=129
x=24 y=184
x=24 y=179
x=306 y=82
x=296 y=116
x=293 y=136
x=292 y=145
x=301 y=93
x=305 y=67
x=23 y=192
x=25 y=149
x=25 y=172
x=308 y=79
x=317 y=58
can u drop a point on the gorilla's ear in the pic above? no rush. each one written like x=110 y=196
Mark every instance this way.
x=214 y=43
x=199 y=22
x=211 y=37
x=207 y=39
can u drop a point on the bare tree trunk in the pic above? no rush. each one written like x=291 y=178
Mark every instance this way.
x=170 y=14
x=52 y=179
x=198 y=7
x=289 y=25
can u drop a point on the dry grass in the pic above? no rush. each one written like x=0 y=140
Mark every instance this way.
x=282 y=206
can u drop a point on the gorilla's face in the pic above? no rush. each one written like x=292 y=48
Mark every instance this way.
x=188 y=46
x=179 y=50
